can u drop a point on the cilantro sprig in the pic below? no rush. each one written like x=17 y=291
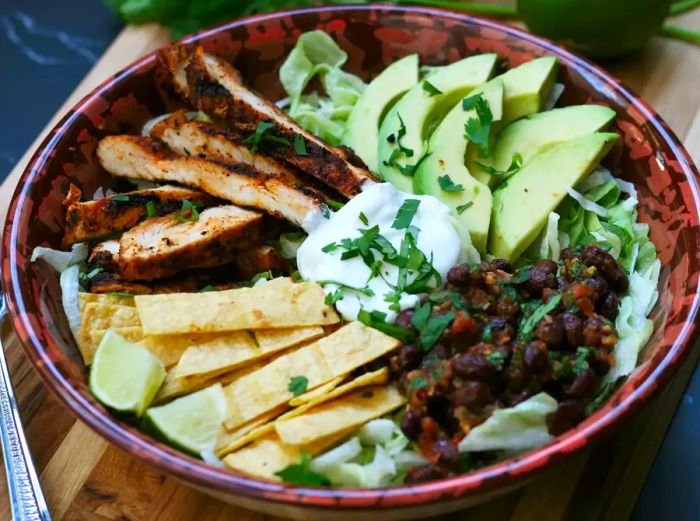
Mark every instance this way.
x=478 y=129
x=431 y=89
x=377 y=320
x=430 y=326
x=261 y=134
x=515 y=165
x=300 y=473
x=190 y=209
x=528 y=326
x=448 y=185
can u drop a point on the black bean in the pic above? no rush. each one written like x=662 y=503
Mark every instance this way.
x=542 y=275
x=597 y=284
x=607 y=265
x=609 y=306
x=501 y=330
x=567 y=415
x=407 y=358
x=593 y=331
x=471 y=394
x=583 y=384
x=459 y=275
x=551 y=332
x=568 y=253
x=503 y=265
x=600 y=362
x=473 y=366
x=411 y=425
x=404 y=319
x=535 y=356
x=441 y=351
x=447 y=454
x=421 y=474
x=573 y=329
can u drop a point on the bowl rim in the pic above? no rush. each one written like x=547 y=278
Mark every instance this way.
x=223 y=481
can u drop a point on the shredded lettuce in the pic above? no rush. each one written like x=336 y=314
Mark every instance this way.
x=68 y=264
x=518 y=428
x=378 y=455
x=289 y=243
x=317 y=54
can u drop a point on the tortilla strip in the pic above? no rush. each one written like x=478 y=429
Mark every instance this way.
x=348 y=412
x=98 y=316
x=85 y=298
x=228 y=438
x=264 y=306
x=377 y=377
x=339 y=353
x=169 y=348
x=318 y=391
x=275 y=339
x=269 y=455
x=130 y=333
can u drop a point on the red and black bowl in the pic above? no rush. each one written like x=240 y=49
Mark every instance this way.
x=650 y=156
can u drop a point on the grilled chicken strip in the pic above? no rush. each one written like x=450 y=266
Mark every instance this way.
x=146 y=158
x=188 y=282
x=105 y=255
x=92 y=220
x=163 y=246
x=215 y=87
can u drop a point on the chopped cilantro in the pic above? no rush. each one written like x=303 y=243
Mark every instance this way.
x=528 y=326
x=515 y=165
x=417 y=383
x=487 y=334
x=187 y=207
x=496 y=358
x=300 y=146
x=121 y=294
x=151 y=209
x=335 y=204
x=326 y=211
x=91 y=273
x=329 y=247
x=363 y=219
x=301 y=474
x=405 y=214
x=582 y=355
x=296 y=276
x=297 y=385
x=478 y=129
x=430 y=88
x=430 y=327
x=267 y=275
x=120 y=198
x=377 y=320
x=261 y=135
x=463 y=207
x=447 y=185
x=207 y=288
x=339 y=293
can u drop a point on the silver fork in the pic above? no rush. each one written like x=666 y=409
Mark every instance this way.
x=26 y=497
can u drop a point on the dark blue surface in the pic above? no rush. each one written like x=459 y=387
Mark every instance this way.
x=47 y=46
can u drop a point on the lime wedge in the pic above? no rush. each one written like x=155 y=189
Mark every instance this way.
x=191 y=423
x=125 y=376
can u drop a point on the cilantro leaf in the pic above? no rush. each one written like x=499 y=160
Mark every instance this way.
x=447 y=185
x=151 y=209
x=297 y=385
x=261 y=135
x=430 y=327
x=430 y=88
x=120 y=198
x=300 y=146
x=463 y=207
x=329 y=247
x=478 y=129
x=377 y=320
x=207 y=288
x=121 y=294
x=90 y=274
x=405 y=214
x=267 y=275
x=363 y=219
x=496 y=358
x=188 y=207
x=515 y=165
x=335 y=204
x=301 y=474
x=417 y=383
x=582 y=355
x=528 y=326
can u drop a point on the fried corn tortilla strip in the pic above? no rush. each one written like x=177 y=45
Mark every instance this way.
x=339 y=353
x=231 y=443
x=97 y=298
x=280 y=305
x=232 y=438
x=269 y=455
x=98 y=316
x=218 y=353
x=348 y=412
x=318 y=391
x=131 y=333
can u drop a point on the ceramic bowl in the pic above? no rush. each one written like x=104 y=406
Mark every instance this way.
x=649 y=155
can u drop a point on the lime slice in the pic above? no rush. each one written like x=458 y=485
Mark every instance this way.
x=125 y=376
x=191 y=423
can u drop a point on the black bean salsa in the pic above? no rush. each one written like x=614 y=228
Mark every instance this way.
x=512 y=334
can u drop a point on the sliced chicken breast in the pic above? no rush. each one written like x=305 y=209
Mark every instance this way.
x=163 y=246
x=150 y=159
x=92 y=220
x=215 y=87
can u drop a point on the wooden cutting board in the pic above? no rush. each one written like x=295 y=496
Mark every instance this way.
x=85 y=479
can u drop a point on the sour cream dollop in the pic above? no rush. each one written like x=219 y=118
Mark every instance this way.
x=378 y=204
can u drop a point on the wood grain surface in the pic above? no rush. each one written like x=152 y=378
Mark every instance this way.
x=85 y=479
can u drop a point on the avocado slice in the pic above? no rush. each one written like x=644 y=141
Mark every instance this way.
x=448 y=144
x=419 y=111
x=535 y=134
x=527 y=87
x=522 y=204
x=362 y=128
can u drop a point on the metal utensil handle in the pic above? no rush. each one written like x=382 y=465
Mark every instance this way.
x=26 y=497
